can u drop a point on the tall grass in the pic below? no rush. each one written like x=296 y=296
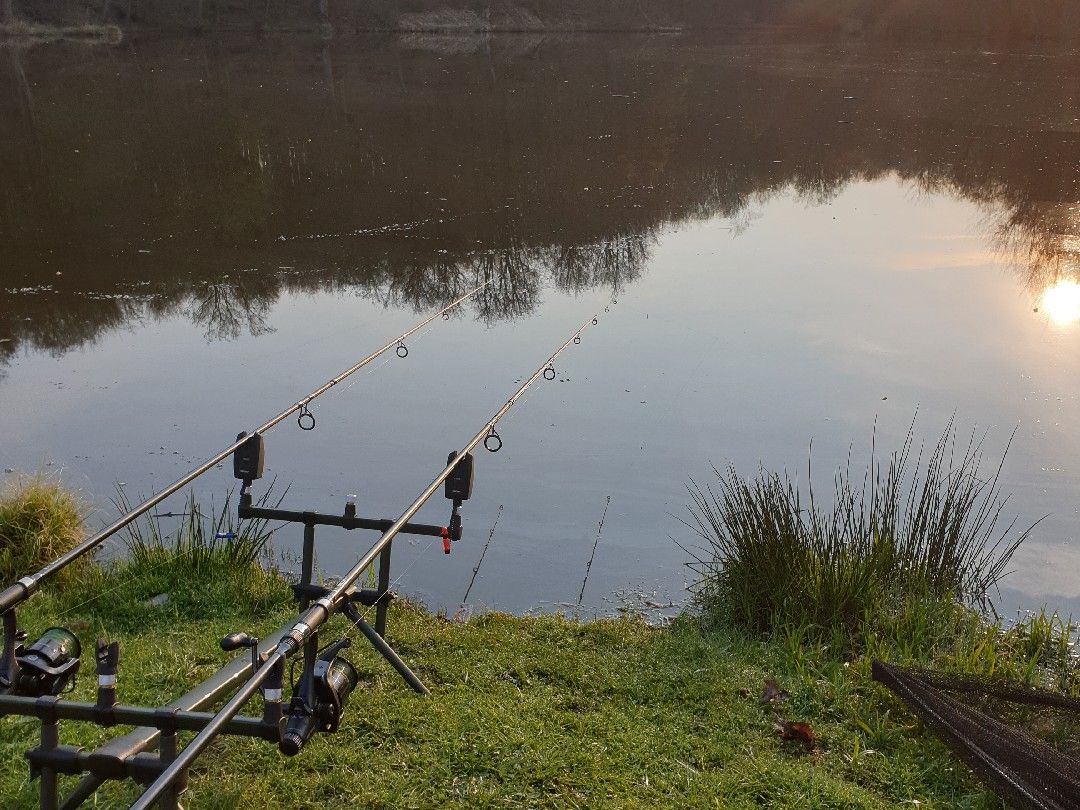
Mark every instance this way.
x=39 y=521
x=208 y=566
x=921 y=528
x=203 y=542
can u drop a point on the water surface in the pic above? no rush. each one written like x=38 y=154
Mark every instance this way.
x=803 y=240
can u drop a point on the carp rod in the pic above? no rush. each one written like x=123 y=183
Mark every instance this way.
x=25 y=586
x=322 y=609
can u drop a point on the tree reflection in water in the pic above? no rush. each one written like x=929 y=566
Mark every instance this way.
x=207 y=179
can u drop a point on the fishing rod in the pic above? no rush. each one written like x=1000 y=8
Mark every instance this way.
x=302 y=634
x=24 y=587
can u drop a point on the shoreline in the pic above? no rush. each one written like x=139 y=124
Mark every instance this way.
x=538 y=711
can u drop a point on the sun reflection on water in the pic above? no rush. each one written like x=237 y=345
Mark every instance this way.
x=1062 y=302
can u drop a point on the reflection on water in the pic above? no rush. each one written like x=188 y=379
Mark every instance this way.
x=1062 y=302
x=153 y=178
x=789 y=223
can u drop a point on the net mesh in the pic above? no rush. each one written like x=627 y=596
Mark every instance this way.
x=1021 y=741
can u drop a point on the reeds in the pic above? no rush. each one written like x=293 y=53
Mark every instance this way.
x=203 y=542
x=915 y=529
x=39 y=521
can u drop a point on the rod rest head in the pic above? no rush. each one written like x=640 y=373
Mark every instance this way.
x=368 y=597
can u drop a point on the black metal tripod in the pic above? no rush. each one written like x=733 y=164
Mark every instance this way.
x=307 y=591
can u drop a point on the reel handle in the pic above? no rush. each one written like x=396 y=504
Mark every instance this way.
x=234 y=641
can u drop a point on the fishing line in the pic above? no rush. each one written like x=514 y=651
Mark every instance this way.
x=594 y=321
x=521 y=407
x=417 y=339
x=666 y=411
x=141 y=575
x=146 y=571
x=270 y=531
x=475 y=571
x=596 y=542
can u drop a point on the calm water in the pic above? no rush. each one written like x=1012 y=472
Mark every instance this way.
x=802 y=240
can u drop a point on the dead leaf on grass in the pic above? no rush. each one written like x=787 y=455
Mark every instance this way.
x=796 y=731
x=773 y=693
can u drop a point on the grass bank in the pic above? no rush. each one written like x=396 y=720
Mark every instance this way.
x=545 y=711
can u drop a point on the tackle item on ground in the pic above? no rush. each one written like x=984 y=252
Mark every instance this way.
x=1024 y=743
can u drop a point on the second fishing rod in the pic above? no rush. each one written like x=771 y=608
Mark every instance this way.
x=25 y=586
x=304 y=630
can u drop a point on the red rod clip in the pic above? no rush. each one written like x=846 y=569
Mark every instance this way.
x=445 y=540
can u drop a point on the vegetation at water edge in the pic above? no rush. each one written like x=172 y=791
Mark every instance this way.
x=39 y=521
x=551 y=711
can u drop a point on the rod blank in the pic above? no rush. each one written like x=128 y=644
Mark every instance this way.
x=324 y=608
x=21 y=590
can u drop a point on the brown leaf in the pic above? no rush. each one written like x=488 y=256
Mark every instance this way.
x=799 y=732
x=773 y=693
x=744 y=692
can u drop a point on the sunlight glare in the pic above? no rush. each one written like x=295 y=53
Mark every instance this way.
x=1062 y=302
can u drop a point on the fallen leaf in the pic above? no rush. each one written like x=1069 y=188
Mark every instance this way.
x=799 y=732
x=773 y=693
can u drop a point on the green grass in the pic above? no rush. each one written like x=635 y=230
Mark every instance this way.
x=39 y=521
x=543 y=712
x=911 y=532
x=540 y=711
x=204 y=541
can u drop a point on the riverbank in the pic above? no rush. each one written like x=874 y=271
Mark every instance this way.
x=543 y=711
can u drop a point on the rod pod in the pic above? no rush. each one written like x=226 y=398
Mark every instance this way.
x=21 y=590
x=318 y=614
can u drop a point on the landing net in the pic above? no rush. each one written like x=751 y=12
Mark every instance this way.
x=1024 y=743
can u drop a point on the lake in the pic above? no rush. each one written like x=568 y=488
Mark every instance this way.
x=807 y=243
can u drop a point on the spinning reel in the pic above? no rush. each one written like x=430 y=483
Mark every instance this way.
x=46 y=667
x=318 y=703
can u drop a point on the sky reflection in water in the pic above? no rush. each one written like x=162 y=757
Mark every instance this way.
x=803 y=240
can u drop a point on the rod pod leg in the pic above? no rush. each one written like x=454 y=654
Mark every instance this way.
x=384 y=590
x=9 y=667
x=384 y=649
x=48 y=791
x=170 y=797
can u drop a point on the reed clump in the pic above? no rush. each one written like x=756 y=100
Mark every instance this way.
x=917 y=530
x=39 y=521
x=205 y=564
x=204 y=541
